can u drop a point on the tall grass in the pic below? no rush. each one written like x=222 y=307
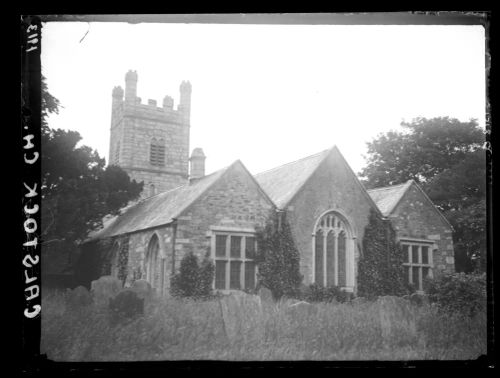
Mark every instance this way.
x=176 y=329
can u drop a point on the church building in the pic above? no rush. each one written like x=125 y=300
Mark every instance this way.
x=183 y=210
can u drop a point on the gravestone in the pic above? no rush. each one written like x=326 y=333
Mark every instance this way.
x=78 y=297
x=396 y=318
x=126 y=305
x=359 y=301
x=242 y=316
x=266 y=296
x=104 y=288
x=142 y=288
x=419 y=299
x=301 y=309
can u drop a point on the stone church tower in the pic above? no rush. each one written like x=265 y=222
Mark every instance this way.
x=151 y=143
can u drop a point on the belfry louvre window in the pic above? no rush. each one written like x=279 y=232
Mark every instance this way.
x=157 y=152
x=417 y=261
x=117 y=153
x=235 y=268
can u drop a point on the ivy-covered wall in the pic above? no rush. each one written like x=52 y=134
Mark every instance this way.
x=380 y=270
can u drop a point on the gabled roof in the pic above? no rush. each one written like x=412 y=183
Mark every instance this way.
x=388 y=197
x=283 y=182
x=158 y=210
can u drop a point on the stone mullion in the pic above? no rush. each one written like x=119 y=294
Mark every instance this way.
x=336 y=257
x=420 y=269
x=325 y=282
x=243 y=259
x=228 y=264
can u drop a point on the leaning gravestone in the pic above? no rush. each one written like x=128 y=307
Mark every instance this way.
x=301 y=309
x=396 y=318
x=242 y=316
x=78 y=298
x=126 y=305
x=105 y=288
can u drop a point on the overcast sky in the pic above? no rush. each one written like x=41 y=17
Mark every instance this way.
x=269 y=94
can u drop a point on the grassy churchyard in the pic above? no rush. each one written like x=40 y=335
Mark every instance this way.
x=242 y=327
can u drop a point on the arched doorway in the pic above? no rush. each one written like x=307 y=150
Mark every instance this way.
x=333 y=251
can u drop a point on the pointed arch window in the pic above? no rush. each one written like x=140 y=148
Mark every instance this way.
x=157 y=152
x=333 y=249
x=154 y=264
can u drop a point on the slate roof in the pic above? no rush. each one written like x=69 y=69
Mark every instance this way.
x=283 y=182
x=388 y=197
x=157 y=210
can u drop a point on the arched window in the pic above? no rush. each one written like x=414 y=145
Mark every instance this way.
x=157 y=152
x=154 y=264
x=333 y=252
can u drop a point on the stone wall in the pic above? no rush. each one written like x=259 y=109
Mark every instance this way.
x=332 y=187
x=416 y=218
x=138 y=246
x=235 y=202
x=134 y=125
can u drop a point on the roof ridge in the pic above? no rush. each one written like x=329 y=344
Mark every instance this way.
x=182 y=186
x=388 y=187
x=292 y=162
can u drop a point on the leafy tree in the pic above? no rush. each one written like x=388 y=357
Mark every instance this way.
x=380 y=269
x=460 y=191
x=424 y=148
x=445 y=156
x=278 y=258
x=77 y=189
x=50 y=104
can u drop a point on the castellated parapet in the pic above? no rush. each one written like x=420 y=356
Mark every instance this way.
x=149 y=142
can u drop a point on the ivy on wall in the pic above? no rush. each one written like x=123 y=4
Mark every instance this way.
x=107 y=259
x=380 y=269
x=278 y=258
x=123 y=261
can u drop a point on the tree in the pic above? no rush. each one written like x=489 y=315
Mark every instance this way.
x=277 y=258
x=78 y=190
x=460 y=191
x=381 y=265
x=425 y=148
x=445 y=156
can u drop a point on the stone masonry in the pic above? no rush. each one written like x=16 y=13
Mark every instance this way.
x=135 y=126
x=235 y=202
x=332 y=187
x=416 y=218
